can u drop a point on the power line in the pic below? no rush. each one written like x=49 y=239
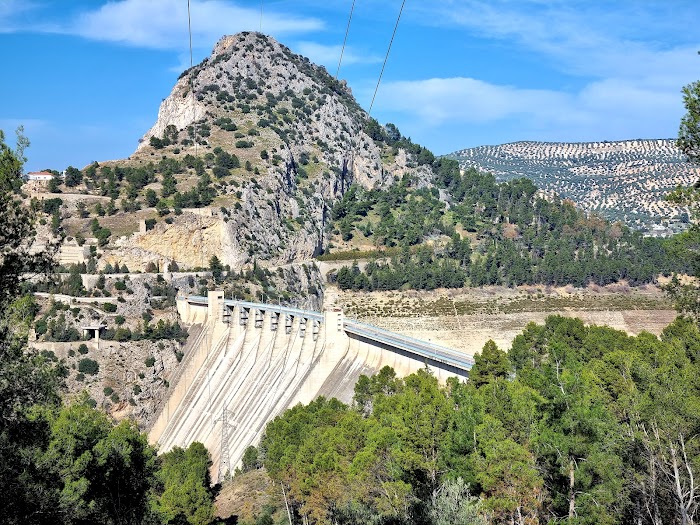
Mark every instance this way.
x=386 y=57
x=347 y=30
x=189 y=29
x=194 y=103
x=194 y=123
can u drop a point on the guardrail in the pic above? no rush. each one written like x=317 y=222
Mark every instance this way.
x=437 y=353
x=296 y=312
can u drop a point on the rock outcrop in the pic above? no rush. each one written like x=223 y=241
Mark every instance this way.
x=301 y=135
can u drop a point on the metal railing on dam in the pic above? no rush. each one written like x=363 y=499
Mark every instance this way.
x=423 y=349
x=426 y=349
x=288 y=310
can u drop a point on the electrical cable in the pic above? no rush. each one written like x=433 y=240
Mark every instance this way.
x=386 y=57
x=194 y=108
x=194 y=121
x=347 y=30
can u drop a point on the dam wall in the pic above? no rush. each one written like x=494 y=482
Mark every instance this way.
x=250 y=362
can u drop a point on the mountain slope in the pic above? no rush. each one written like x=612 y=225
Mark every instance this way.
x=279 y=138
x=259 y=156
x=622 y=180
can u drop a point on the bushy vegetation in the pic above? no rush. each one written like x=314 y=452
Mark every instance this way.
x=257 y=283
x=53 y=325
x=88 y=366
x=574 y=424
x=71 y=464
x=492 y=234
x=148 y=332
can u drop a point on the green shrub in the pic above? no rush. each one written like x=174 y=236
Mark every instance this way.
x=88 y=366
x=83 y=349
x=150 y=361
x=108 y=390
x=251 y=459
x=109 y=307
x=115 y=398
x=103 y=235
x=137 y=390
x=122 y=334
x=49 y=355
x=41 y=327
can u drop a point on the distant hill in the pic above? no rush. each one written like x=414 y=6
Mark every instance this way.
x=622 y=180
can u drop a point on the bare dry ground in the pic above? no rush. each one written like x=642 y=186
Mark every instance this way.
x=247 y=495
x=466 y=319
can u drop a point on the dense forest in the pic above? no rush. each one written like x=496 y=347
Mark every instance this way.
x=574 y=424
x=470 y=230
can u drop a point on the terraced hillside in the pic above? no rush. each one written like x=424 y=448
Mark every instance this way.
x=623 y=180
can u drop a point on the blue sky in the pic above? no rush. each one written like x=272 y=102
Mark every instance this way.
x=85 y=78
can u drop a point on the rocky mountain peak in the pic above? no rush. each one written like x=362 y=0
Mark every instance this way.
x=299 y=132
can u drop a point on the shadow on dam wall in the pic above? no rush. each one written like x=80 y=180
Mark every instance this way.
x=245 y=364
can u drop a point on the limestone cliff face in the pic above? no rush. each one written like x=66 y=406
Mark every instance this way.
x=304 y=139
x=190 y=241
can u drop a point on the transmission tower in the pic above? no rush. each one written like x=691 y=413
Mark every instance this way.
x=225 y=460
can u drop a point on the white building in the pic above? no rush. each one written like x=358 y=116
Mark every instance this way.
x=43 y=176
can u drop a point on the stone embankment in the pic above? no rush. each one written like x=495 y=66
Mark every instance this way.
x=466 y=319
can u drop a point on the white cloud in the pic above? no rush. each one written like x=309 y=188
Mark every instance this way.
x=586 y=38
x=627 y=63
x=467 y=100
x=163 y=24
x=10 y=10
x=328 y=55
x=602 y=109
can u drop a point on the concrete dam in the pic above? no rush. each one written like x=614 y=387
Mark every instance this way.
x=245 y=363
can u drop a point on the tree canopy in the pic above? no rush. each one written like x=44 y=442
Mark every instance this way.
x=490 y=234
x=577 y=424
x=689 y=132
x=71 y=464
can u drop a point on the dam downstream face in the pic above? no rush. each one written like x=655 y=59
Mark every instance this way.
x=243 y=368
